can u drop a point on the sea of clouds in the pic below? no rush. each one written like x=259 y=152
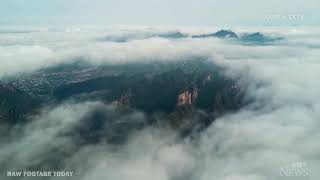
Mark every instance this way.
x=279 y=128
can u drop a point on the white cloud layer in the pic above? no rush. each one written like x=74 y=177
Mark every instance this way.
x=281 y=126
x=31 y=50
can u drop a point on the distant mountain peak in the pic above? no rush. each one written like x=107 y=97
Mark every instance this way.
x=226 y=34
x=219 y=34
x=172 y=35
x=258 y=38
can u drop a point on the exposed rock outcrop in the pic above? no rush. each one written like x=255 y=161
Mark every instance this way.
x=187 y=97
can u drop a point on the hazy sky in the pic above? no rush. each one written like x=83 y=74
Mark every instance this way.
x=156 y=12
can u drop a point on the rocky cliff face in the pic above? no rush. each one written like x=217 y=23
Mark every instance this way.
x=177 y=90
x=187 y=97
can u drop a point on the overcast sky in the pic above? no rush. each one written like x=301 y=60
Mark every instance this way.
x=156 y=12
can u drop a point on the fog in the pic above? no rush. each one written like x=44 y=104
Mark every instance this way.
x=278 y=128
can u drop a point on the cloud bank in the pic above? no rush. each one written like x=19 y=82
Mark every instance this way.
x=41 y=48
x=280 y=127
